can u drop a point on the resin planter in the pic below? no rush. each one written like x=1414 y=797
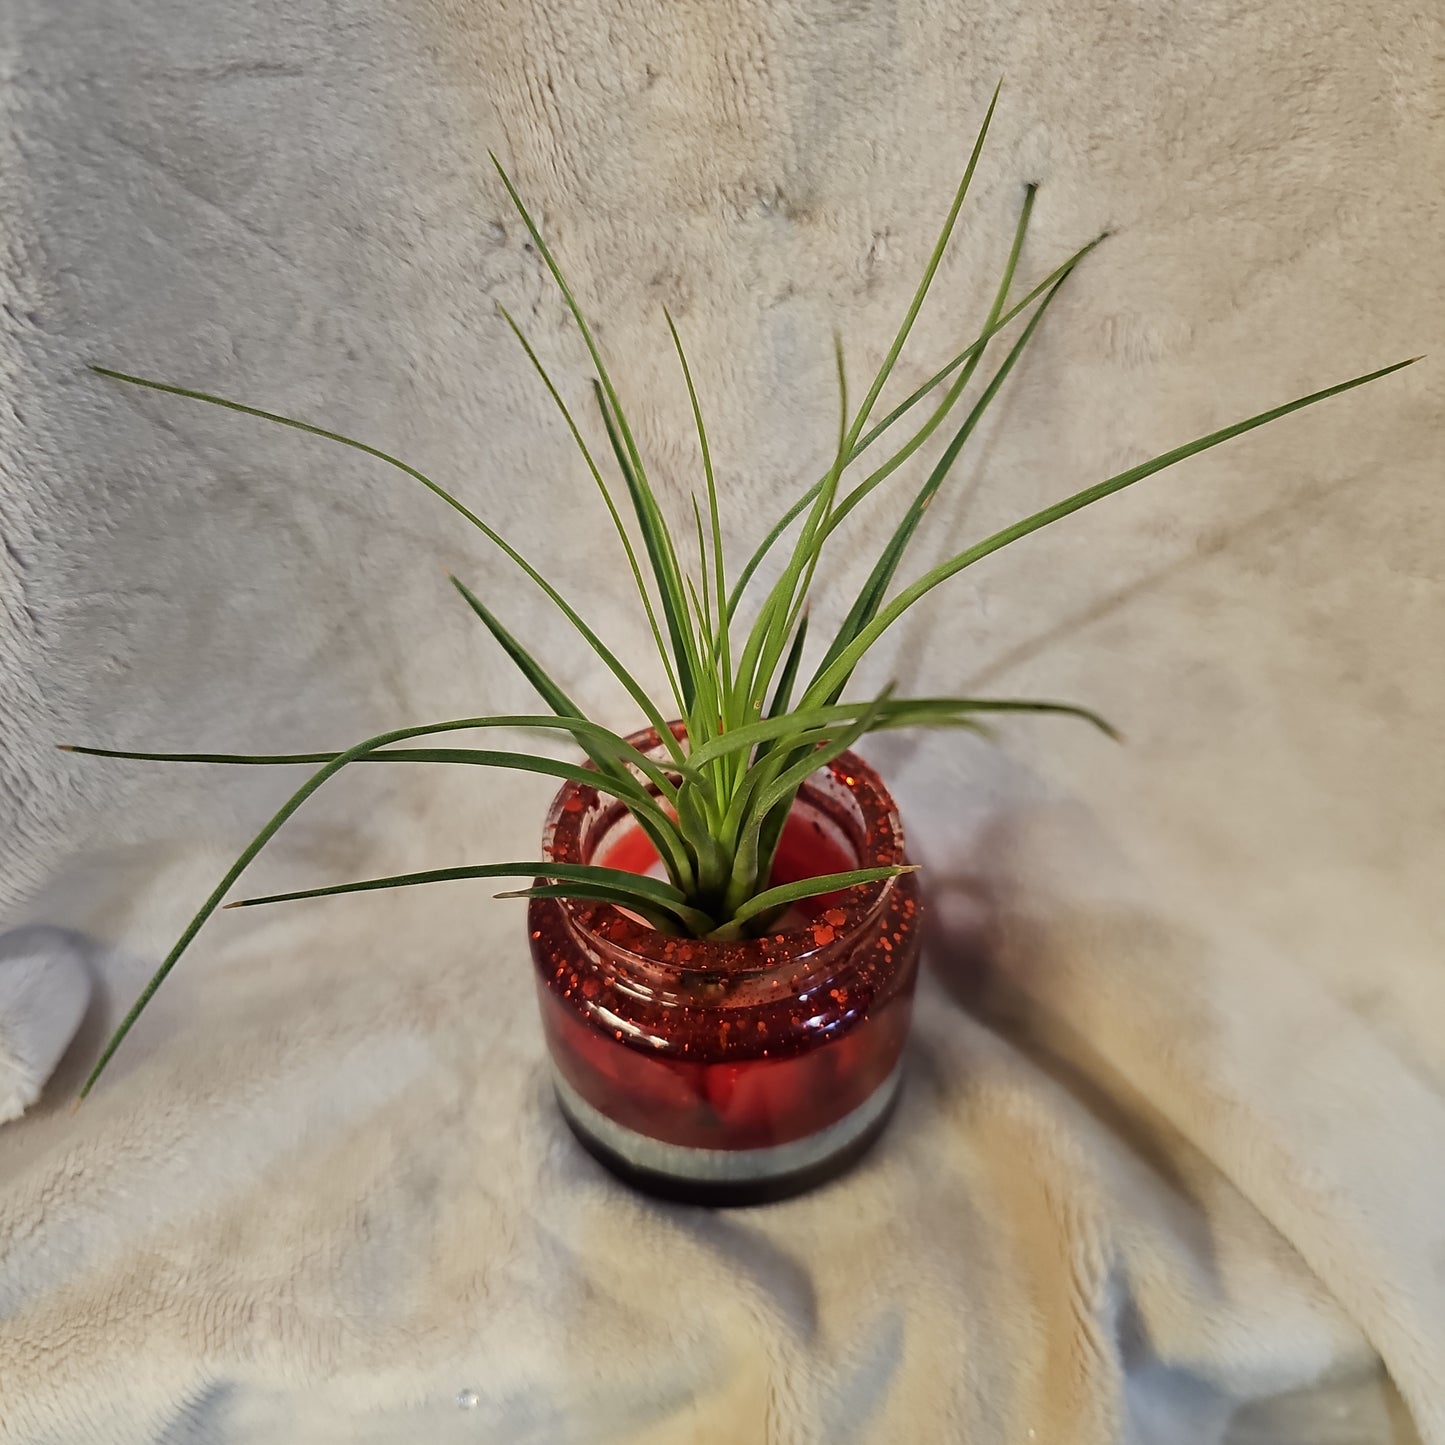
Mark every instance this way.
x=731 y=1073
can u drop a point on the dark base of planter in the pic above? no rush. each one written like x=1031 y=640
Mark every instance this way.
x=725 y=1193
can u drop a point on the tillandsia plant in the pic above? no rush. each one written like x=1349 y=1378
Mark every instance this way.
x=713 y=798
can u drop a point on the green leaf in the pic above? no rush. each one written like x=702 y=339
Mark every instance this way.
x=848 y=437
x=785 y=893
x=820 y=522
x=939 y=247
x=634 y=689
x=606 y=493
x=903 y=407
x=775 y=621
x=718 y=571
x=529 y=667
x=607 y=759
x=658 y=918
x=849 y=657
x=612 y=781
x=624 y=787
x=701 y=605
x=661 y=554
x=588 y=733
x=965 y=375
x=655 y=532
x=772 y=783
x=875 y=589
x=648 y=895
x=705 y=847
x=782 y=788
x=545 y=251
x=1014 y=311
x=783 y=693
x=961 y=708
x=799 y=724
x=278 y=819
x=812 y=725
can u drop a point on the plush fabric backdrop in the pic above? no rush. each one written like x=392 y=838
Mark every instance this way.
x=1171 y=1165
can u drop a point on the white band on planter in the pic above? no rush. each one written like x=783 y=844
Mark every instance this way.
x=704 y=1166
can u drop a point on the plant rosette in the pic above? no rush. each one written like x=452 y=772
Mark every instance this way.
x=722 y=918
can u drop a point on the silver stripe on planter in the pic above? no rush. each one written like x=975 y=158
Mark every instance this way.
x=704 y=1166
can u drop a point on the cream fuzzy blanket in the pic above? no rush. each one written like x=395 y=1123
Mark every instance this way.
x=1171 y=1163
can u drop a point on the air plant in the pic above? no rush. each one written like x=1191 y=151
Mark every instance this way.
x=713 y=797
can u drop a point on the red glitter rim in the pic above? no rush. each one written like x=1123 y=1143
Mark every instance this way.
x=881 y=844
